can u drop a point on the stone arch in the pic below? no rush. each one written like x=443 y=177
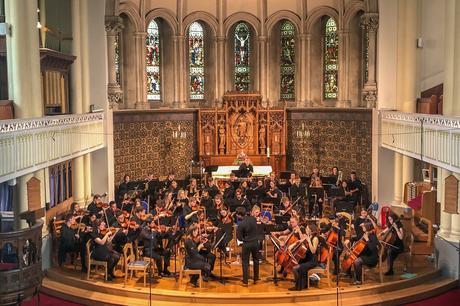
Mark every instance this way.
x=319 y=12
x=241 y=16
x=204 y=17
x=130 y=10
x=351 y=10
x=164 y=14
x=284 y=14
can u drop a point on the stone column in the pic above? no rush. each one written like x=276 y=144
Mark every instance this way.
x=344 y=47
x=141 y=75
x=398 y=184
x=23 y=56
x=301 y=73
x=309 y=102
x=262 y=44
x=369 y=26
x=182 y=71
x=220 y=67
x=113 y=26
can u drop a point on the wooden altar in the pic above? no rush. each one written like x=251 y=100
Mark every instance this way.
x=243 y=125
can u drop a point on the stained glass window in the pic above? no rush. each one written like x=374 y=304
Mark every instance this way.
x=287 y=61
x=196 y=61
x=242 y=52
x=153 y=61
x=331 y=56
x=117 y=59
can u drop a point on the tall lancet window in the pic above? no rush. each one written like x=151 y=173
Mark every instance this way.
x=287 y=61
x=331 y=60
x=196 y=61
x=242 y=52
x=153 y=62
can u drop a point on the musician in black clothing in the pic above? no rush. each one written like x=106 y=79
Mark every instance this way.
x=247 y=233
x=152 y=237
x=238 y=201
x=369 y=256
x=111 y=212
x=193 y=257
x=123 y=188
x=229 y=193
x=309 y=261
x=191 y=212
x=168 y=181
x=245 y=168
x=69 y=241
x=103 y=249
x=274 y=195
x=95 y=206
x=212 y=189
x=396 y=228
x=354 y=186
x=296 y=190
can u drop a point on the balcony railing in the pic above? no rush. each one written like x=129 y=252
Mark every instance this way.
x=431 y=138
x=27 y=145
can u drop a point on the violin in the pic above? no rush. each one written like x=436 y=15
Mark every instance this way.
x=78 y=226
x=109 y=229
x=146 y=216
x=102 y=205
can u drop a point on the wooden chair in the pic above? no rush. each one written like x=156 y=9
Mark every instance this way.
x=131 y=264
x=378 y=267
x=140 y=256
x=90 y=261
x=323 y=271
x=183 y=271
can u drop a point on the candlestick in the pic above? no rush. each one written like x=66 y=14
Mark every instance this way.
x=268 y=152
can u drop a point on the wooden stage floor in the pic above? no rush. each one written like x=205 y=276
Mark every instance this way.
x=426 y=282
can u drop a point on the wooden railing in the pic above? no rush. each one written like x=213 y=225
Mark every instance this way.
x=27 y=145
x=431 y=138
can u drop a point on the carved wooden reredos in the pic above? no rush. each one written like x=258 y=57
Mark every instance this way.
x=242 y=124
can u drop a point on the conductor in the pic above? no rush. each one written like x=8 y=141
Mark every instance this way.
x=247 y=233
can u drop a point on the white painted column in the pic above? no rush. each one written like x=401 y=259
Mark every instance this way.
x=398 y=178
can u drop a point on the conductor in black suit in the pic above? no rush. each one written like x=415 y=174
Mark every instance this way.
x=247 y=233
x=245 y=168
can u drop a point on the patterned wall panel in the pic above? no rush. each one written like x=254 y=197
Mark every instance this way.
x=144 y=143
x=331 y=137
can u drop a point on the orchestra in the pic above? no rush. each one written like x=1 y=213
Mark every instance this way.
x=203 y=218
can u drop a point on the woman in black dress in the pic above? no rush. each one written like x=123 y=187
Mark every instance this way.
x=103 y=248
x=193 y=259
x=396 y=228
x=370 y=255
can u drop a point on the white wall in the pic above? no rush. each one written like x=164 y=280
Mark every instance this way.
x=432 y=33
x=386 y=54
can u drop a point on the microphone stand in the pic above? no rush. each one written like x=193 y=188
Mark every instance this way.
x=221 y=280
x=336 y=263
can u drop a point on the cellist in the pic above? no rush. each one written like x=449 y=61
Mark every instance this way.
x=309 y=261
x=369 y=256
x=397 y=244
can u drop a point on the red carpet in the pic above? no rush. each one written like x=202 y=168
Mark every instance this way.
x=449 y=298
x=47 y=300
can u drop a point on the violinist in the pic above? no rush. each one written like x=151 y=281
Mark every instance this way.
x=258 y=191
x=225 y=224
x=192 y=188
x=95 y=206
x=173 y=189
x=121 y=237
x=212 y=207
x=181 y=202
x=193 y=259
x=395 y=228
x=369 y=256
x=286 y=208
x=229 y=193
x=206 y=200
x=191 y=211
x=68 y=242
x=123 y=188
x=244 y=186
x=309 y=261
x=247 y=233
x=152 y=237
x=75 y=209
x=103 y=250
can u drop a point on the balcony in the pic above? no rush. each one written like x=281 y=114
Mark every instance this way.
x=432 y=138
x=27 y=145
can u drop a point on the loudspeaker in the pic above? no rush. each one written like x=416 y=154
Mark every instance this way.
x=344 y=206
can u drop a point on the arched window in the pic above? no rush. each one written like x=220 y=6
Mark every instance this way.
x=153 y=62
x=242 y=52
x=287 y=61
x=117 y=59
x=196 y=61
x=331 y=60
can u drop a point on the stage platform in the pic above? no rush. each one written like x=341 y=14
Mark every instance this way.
x=72 y=285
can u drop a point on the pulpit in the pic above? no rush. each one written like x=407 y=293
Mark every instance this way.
x=243 y=124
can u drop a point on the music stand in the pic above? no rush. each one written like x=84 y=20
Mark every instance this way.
x=222 y=281
x=276 y=247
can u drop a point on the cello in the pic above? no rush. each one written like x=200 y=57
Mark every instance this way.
x=352 y=254
x=331 y=242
